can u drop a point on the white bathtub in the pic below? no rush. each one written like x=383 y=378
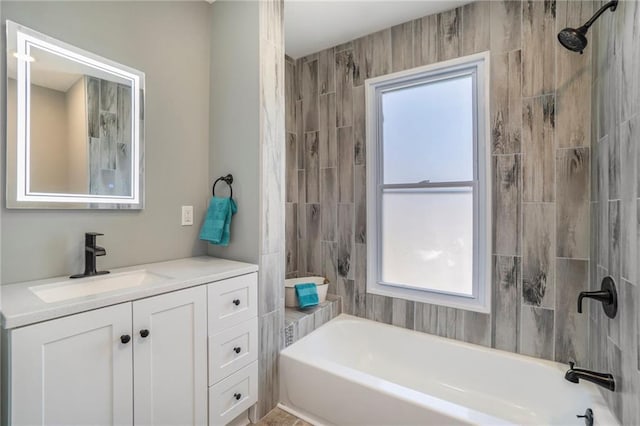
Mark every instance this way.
x=353 y=371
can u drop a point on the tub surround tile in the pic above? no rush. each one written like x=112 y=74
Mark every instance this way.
x=476 y=20
x=570 y=326
x=360 y=282
x=506 y=25
x=425 y=46
x=328 y=138
x=573 y=80
x=538 y=147
x=359 y=126
x=425 y=318
x=538 y=265
x=372 y=55
x=402 y=313
x=401 y=47
x=328 y=203
x=536 y=337
x=347 y=292
x=290 y=96
x=312 y=167
x=476 y=328
x=291 y=169
x=360 y=195
x=379 y=308
x=538 y=47
x=614 y=343
x=345 y=240
x=314 y=253
x=310 y=96
x=506 y=300
x=345 y=164
x=506 y=102
x=269 y=337
x=449 y=39
x=345 y=72
x=330 y=264
x=326 y=71
x=614 y=164
x=506 y=204
x=573 y=203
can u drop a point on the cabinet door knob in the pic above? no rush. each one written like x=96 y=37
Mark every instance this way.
x=144 y=333
x=237 y=349
x=237 y=396
x=125 y=338
x=236 y=302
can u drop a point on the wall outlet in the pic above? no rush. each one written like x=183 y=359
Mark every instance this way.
x=187 y=215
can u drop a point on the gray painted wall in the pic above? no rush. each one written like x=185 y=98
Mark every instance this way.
x=615 y=203
x=247 y=140
x=235 y=128
x=170 y=42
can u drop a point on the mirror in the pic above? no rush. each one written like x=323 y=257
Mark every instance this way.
x=74 y=126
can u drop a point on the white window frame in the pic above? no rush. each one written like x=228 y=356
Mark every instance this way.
x=477 y=66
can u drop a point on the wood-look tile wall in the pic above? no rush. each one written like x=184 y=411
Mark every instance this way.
x=615 y=202
x=540 y=141
x=272 y=203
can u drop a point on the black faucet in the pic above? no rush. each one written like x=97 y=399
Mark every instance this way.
x=91 y=251
x=607 y=295
x=605 y=380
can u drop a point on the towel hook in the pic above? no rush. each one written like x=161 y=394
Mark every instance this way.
x=228 y=179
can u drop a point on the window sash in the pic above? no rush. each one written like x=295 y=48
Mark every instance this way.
x=474 y=185
x=476 y=66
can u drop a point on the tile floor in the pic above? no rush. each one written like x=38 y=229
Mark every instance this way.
x=278 y=417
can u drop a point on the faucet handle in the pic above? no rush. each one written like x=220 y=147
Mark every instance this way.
x=572 y=364
x=90 y=238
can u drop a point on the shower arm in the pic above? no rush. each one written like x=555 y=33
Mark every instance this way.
x=613 y=4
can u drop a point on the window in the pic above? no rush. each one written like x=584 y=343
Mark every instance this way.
x=428 y=197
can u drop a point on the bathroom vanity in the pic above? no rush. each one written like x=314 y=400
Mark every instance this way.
x=164 y=343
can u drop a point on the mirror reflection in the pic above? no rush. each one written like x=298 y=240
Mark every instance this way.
x=72 y=120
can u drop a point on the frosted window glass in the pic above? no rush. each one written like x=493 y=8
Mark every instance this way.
x=428 y=132
x=427 y=239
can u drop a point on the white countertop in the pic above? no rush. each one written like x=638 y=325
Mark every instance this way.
x=20 y=306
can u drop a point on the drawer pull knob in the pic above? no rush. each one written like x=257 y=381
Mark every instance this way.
x=237 y=396
x=236 y=302
x=237 y=349
x=125 y=338
x=144 y=333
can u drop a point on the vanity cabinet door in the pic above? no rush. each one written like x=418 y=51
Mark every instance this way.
x=75 y=370
x=170 y=358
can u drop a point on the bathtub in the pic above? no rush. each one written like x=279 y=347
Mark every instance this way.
x=353 y=371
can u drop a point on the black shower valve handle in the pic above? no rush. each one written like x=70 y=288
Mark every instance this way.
x=603 y=296
x=607 y=295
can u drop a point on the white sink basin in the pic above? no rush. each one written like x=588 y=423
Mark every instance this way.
x=82 y=287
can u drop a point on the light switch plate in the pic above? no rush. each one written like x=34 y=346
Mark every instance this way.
x=187 y=215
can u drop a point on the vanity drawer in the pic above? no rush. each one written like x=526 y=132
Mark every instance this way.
x=232 y=301
x=232 y=349
x=233 y=395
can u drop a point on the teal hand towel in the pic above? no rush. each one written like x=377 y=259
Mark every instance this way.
x=216 y=228
x=307 y=295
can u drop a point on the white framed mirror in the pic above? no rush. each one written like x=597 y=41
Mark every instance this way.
x=75 y=126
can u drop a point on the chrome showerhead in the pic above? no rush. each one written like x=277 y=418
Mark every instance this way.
x=575 y=38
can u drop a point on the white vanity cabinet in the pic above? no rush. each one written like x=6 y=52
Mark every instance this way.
x=233 y=347
x=170 y=358
x=73 y=370
x=147 y=357
x=182 y=350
